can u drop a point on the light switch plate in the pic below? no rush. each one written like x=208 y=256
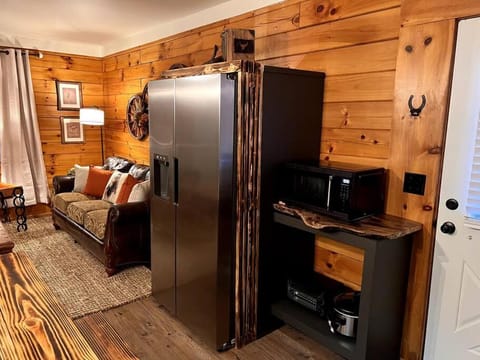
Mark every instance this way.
x=414 y=183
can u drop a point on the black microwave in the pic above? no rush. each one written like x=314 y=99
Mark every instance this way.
x=346 y=191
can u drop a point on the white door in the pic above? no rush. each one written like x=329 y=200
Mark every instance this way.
x=453 y=324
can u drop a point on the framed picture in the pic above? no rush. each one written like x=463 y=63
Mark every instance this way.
x=69 y=95
x=72 y=130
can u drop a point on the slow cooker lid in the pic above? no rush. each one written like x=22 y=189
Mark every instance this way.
x=348 y=303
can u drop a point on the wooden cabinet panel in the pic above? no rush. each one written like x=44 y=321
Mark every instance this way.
x=377 y=26
x=338 y=261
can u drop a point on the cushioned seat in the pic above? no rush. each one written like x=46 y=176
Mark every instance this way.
x=95 y=222
x=62 y=200
x=77 y=210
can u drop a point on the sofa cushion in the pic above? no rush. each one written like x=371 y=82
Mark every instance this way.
x=117 y=163
x=140 y=192
x=114 y=185
x=62 y=200
x=95 y=222
x=77 y=210
x=81 y=175
x=140 y=172
x=96 y=181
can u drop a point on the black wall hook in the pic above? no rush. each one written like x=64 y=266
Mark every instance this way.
x=416 y=111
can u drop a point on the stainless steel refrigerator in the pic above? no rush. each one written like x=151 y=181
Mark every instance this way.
x=192 y=142
x=191 y=146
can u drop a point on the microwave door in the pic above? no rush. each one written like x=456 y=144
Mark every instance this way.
x=311 y=191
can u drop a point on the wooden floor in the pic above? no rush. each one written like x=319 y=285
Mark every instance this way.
x=151 y=333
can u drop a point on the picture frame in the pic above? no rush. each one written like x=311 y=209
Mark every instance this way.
x=71 y=130
x=69 y=95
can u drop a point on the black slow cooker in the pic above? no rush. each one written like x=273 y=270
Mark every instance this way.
x=343 y=317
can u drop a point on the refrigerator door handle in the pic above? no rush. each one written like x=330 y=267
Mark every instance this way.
x=175 y=181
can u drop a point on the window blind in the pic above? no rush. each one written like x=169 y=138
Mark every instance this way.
x=473 y=196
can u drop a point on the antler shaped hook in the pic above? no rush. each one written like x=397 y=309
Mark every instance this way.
x=416 y=111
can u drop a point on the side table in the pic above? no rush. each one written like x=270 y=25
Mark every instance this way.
x=14 y=192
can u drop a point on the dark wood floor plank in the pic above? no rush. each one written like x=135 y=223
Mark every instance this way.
x=103 y=339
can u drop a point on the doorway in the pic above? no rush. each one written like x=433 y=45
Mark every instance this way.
x=453 y=322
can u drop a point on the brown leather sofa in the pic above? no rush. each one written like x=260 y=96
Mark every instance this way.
x=126 y=238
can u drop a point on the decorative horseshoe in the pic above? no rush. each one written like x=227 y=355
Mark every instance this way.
x=416 y=111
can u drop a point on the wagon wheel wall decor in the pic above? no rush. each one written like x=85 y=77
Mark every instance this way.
x=137 y=117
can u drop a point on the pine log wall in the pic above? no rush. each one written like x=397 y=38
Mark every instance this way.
x=58 y=157
x=360 y=44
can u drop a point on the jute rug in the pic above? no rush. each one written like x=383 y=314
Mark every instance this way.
x=78 y=279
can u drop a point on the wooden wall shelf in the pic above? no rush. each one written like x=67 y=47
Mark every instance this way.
x=386 y=242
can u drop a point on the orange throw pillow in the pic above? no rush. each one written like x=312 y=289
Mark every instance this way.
x=96 y=181
x=126 y=189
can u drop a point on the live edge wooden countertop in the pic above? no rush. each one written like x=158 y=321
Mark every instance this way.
x=33 y=325
x=373 y=227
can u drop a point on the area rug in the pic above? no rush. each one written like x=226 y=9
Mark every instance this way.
x=78 y=279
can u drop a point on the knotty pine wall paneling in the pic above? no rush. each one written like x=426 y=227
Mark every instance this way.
x=58 y=157
x=311 y=35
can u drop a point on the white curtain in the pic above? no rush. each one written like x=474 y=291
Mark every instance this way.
x=21 y=159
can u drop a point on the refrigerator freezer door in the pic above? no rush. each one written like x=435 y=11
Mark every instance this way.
x=162 y=209
x=204 y=114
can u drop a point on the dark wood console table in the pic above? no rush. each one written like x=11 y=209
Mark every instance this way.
x=386 y=242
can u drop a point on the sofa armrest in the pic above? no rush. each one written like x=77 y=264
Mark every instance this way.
x=63 y=183
x=127 y=235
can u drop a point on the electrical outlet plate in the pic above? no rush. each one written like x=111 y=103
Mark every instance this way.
x=414 y=183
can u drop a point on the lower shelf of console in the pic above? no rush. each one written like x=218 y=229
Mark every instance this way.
x=314 y=326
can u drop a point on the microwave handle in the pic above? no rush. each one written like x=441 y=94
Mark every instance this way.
x=329 y=191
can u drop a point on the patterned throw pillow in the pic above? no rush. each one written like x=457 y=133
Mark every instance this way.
x=140 y=192
x=114 y=185
x=96 y=181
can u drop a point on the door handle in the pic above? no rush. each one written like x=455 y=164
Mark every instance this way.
x=175 y=181
x=447 y=227
x=451 y=204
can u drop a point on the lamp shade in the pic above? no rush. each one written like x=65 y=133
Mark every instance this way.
x=91 y=116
